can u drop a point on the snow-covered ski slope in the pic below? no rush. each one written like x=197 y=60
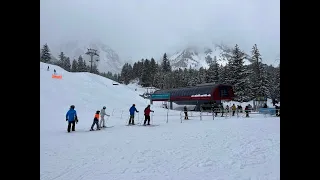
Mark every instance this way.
x=221 y=149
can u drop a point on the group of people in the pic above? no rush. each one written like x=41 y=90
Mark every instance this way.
x=147 y=111
x=72 y=117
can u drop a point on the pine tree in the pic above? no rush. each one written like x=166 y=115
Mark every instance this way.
x=146 y=73
x=61 y=61
x=166 y=67
x=152 y=69
x=74 y=67
x=45 y=54
x=259 y=80
x=202 y=75
x=238 y=76
x=67 y=64
x=126 y=73
x=81 y=65
x=216 y=77
x=94 y=68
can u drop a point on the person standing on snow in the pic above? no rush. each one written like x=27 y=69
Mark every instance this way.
x=102 y=114
x=233 y=108
x=185 y=112
x=147 y=111
x=95 y=121
x=72 y=118
x=132 y=110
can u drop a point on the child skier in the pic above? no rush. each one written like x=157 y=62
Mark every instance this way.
x=147 y=111
x=95 y=121
x=102 y=114
x=132 y=110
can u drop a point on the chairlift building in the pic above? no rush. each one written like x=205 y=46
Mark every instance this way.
x=197 y=95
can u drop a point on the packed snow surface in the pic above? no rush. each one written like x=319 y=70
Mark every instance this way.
x=226 y=148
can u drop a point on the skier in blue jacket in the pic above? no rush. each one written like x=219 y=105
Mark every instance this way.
x=132 y=110
x=72 y=118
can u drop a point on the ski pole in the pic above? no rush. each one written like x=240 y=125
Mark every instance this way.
x=152 y=118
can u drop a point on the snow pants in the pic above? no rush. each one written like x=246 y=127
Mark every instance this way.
x=95 y=122
x=186 y=115
x=102 y=122
x=147 y=118
x=131 y=120
x=73 y=123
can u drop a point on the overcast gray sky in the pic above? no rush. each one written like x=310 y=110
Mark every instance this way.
x=145 y=28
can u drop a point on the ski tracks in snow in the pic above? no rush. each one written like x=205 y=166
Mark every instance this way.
x=250 y=150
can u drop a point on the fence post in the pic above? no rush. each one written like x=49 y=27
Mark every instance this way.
x=212 y=115
x=180 y=117
x=200 y=115
x=167 y=115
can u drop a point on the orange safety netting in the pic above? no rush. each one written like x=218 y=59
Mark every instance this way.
x=56 y=76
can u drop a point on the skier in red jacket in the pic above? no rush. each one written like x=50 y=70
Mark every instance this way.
x=147 y=111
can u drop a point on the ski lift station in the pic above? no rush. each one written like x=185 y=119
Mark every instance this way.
x=195 y=95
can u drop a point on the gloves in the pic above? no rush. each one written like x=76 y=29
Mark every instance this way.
x=77 y=121
x=66 y=119
x=137 y=111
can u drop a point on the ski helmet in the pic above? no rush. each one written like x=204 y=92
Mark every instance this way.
x=133 y=105
x=104 y=107
x=72 y=107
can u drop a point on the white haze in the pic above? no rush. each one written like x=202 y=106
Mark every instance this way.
x=138 y=29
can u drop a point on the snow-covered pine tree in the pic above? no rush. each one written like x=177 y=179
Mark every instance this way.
x=210 y=73
x=238 y=76
x=153 y=69
x=81 y=66
x=74 y=67
x=146 y=73
x=67 y=64
x=135 y=70
x=259 y=80
x=216 y=78
x=61 y=61
x=193 y=78
x=202 y=75
x=185 y=78
x=223 y=72
x=126 y=73
x=166 y=67
x=95 y=69
x=45 y=54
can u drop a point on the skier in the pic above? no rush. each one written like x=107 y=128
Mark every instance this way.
x=102 y=114
x=54 y=72
x=233 y=108
x=72 y=118
x=48 y=68
x=185 y=112
x=221 y=109
x=246 y=109
x=132 y=110
x=95 y=121
x=147 y=111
